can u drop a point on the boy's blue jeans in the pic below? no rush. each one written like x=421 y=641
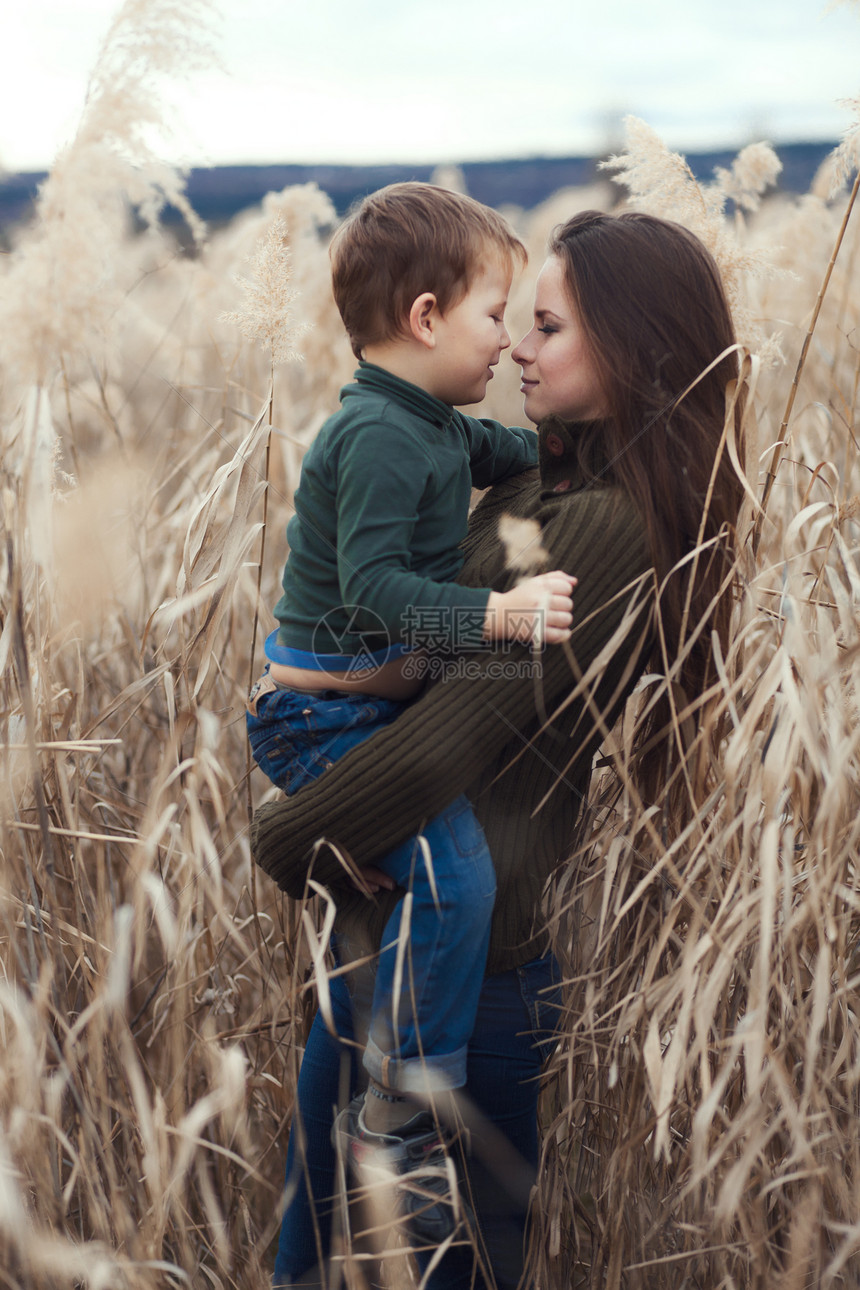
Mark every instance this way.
x=419 y=1032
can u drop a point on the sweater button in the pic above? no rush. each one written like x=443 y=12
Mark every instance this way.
x=562 y=486
x=554 y=445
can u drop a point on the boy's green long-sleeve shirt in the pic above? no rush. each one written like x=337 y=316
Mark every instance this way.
x=381 y=511
x=521 y=747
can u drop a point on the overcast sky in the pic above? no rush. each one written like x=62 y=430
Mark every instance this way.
x=456 y=80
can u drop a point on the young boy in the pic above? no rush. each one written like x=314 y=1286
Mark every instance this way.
x=421 y=277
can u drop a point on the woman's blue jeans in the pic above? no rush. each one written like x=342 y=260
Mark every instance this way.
x=515 y=1029
x=435 y=944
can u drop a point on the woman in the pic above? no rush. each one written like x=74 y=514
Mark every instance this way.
x=625 y=371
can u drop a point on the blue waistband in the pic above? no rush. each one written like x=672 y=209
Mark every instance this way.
x=307 y=659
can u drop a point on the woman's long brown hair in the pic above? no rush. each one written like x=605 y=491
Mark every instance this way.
x=651 y=303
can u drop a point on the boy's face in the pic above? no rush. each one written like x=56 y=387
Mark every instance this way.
x=471 y=336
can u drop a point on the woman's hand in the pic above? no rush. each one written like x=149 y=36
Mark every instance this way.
x=539 y=610
x=374 y=881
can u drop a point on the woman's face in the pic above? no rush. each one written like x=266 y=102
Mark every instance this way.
x=559 y=373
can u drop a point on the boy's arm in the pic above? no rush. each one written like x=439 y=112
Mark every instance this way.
x=378 y=501
x=382 y=792
x=497 y=452
x=380 y=488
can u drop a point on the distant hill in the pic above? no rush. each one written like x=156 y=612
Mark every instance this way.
x=219 y=193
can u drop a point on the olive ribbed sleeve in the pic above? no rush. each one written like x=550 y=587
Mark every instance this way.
x=522 y=748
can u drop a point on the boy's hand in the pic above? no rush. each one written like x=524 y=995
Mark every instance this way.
x=539 y=610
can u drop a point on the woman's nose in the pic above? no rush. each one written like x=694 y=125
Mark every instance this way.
x=520 y=354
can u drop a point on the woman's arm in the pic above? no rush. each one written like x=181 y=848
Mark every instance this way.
x=380 y=794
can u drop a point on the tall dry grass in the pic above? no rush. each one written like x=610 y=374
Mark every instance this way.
x=701 y=1118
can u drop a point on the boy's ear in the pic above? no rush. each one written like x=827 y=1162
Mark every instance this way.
x=422 y=319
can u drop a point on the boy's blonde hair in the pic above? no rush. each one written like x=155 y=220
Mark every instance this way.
x=407 y=239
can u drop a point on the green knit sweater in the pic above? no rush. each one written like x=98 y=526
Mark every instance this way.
x=380 y=515
x=521 y=749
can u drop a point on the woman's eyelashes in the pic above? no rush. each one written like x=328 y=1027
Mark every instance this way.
x=548 y=329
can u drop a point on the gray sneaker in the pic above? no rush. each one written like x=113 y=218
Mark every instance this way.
x=416 y=1162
